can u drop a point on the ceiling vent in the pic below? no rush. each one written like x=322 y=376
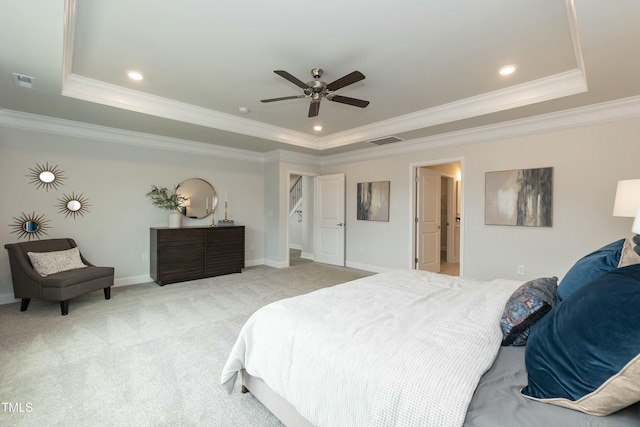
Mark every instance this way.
x=385 y=140
x=23 y=81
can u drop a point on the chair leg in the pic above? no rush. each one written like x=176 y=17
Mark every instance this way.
x=24 y=304
x=107 y=293
x=64 y=307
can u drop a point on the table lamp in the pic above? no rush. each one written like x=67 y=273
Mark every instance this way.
x=627 y=204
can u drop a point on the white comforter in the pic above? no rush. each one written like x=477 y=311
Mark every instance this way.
x=401 y=348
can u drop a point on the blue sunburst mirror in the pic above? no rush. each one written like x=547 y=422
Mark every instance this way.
x=31 y=226
x=46 y=176
x=73 y=204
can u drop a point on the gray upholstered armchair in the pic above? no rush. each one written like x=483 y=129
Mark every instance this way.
x=60 y=286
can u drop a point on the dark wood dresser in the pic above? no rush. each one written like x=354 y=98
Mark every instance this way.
x=188 y=253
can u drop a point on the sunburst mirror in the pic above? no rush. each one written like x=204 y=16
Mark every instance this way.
x=31 y=226
x=46 y=176
x=73 y=204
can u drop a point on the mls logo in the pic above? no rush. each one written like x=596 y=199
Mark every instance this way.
x=17 y=407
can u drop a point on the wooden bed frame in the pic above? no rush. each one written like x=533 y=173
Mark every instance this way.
x=279 y=407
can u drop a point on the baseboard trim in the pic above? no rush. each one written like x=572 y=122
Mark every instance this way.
x=366 y=267
x=133 y=280
x=306 y=255
x=8 y=299
x=136 y=280
x=253 y=262
x=276 y=264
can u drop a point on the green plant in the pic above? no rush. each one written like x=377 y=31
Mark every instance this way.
x=162 y=198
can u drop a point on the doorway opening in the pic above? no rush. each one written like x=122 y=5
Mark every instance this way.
x=437 y=217
x=300 y=219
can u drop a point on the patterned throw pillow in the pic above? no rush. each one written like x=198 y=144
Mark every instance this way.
x=46 y=263
x=525 y=307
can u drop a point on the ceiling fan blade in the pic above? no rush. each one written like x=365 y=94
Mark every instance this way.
x=351 y=78
x=350 y=101
x=292 y=79
x=282 y=98
x=314 y=108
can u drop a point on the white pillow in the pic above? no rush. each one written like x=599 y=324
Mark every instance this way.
x=46 y=263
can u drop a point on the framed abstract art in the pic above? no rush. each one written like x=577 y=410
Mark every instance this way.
x=521 y=197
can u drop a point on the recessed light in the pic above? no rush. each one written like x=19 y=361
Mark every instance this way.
x=243 y=110
x=134 y=75
x=317 y=128
x=507 y=69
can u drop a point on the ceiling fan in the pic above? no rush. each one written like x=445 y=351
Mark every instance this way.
x=317 y=89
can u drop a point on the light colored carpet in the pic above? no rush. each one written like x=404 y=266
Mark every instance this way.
x=150 y=356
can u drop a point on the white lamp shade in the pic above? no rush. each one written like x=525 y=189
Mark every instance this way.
x=636 y=224
x=628 y=199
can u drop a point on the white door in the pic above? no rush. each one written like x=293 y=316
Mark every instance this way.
x=428 y=220
x=329 y=224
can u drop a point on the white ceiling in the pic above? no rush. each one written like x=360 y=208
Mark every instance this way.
x=431 y=67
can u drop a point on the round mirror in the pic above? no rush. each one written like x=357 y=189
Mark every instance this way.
x=30 y=225
x=73 y=204
x=201 y=198
x=46 y=176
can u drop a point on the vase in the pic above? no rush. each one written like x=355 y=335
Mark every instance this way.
x=175 y=219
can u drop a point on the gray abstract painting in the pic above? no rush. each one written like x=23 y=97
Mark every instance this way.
x=373 y=201
x=519 y=197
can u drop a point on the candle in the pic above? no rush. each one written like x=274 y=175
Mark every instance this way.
x=207 y=202
x=226 y=194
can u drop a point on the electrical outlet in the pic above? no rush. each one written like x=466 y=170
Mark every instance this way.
x=145 y=257
x=520 y=270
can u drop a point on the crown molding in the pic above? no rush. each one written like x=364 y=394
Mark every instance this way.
x=79 y=87
x=572 y=19
x=69 y=31
x=292 y=157
x=556 y=86
x=583 y=116
x=559 y=85
x=34 y=122
x=608 y=111
x=604 y=112
x=563 y=84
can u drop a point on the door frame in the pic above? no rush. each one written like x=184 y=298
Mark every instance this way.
x=413 y=170
x=451 y=216
x=310 y=215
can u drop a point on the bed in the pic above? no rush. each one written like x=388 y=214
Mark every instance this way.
x=400 y=348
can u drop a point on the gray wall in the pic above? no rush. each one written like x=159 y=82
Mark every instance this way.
x=587 y=160
x=115 y=179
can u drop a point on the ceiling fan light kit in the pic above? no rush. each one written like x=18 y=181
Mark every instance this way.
x=316 y=89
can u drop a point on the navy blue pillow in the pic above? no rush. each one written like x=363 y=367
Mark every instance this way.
x=585 y=353
x=589 y=267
